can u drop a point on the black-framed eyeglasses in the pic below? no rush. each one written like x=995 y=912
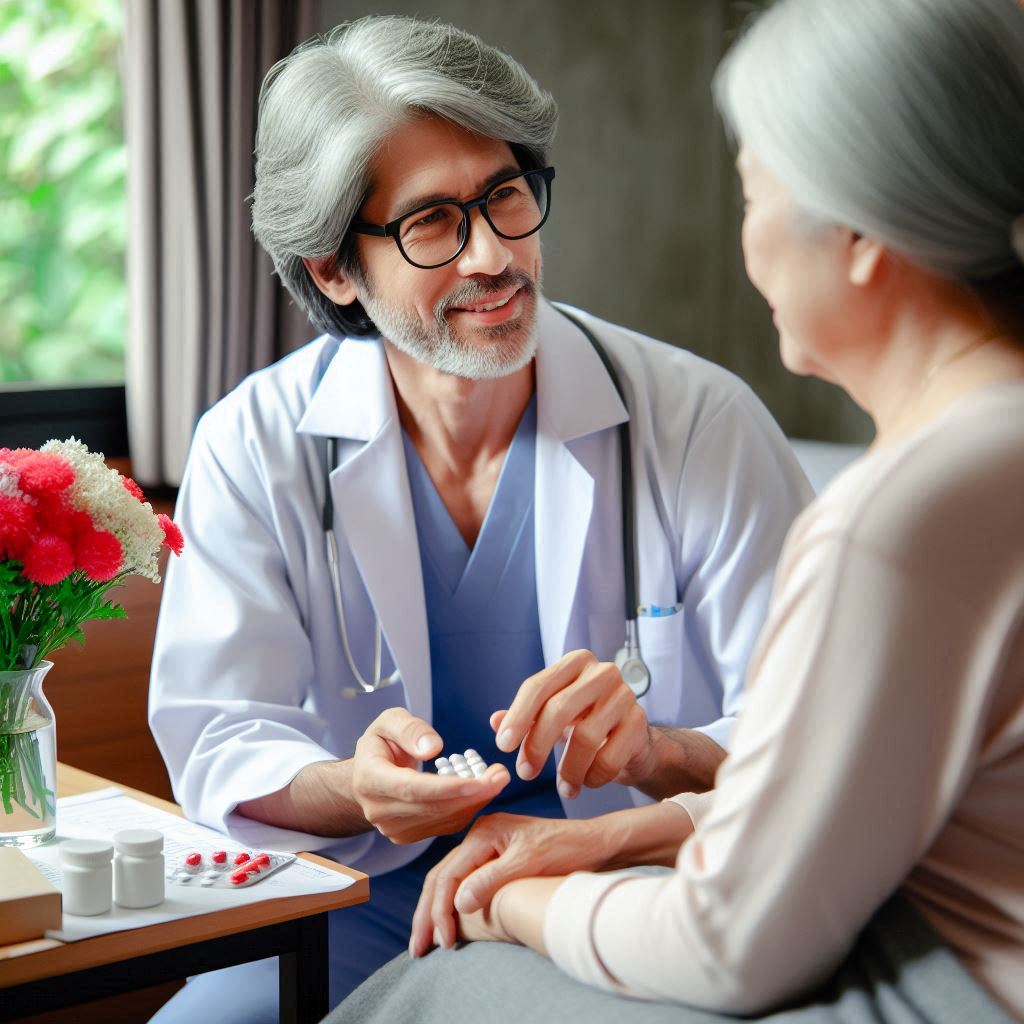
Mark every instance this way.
x=436 y=233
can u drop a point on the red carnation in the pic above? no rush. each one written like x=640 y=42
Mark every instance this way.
x=56 y=516
x=41 y=472
x=17 y=524
x=133 y=488
x=173 y=537
x=81 y=522
x=48 y=560
x=99 y=555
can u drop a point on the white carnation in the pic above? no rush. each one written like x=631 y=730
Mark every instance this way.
x=99 y=492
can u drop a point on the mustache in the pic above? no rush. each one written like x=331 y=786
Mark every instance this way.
x=478 y=291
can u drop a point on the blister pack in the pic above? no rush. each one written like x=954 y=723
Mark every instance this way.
x=225 y=869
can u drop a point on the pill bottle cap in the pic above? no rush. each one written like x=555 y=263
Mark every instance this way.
x=86 y=853
x=139 y=842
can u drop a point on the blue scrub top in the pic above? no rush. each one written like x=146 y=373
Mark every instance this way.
x=482 y=614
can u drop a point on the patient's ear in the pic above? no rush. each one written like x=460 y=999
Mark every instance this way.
x=866 y=257
x=331 y=280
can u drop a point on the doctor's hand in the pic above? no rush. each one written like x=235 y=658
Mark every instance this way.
x=587 y=702
x=497 y=849
x=403 y=803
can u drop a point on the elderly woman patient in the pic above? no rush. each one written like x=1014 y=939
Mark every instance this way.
x=862 y=857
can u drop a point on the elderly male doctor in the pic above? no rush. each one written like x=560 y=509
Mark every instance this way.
x=474 y=498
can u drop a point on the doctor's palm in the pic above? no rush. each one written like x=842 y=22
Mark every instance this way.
x=401 y=802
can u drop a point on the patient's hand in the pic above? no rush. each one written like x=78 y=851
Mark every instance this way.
x=504 y=852
x=499 y=848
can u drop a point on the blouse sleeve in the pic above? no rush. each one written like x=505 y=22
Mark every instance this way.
x=859 y=732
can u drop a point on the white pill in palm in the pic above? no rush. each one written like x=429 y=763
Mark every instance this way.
x=467 y=766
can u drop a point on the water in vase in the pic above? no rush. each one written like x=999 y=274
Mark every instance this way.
x=28 y=782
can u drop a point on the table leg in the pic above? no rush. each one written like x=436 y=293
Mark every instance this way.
x=304 y=974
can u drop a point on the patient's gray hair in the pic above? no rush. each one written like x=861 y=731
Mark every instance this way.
x=326 y=108
x=902 y=119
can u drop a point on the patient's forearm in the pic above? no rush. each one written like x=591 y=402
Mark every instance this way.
x=519 y=909
x=642 y=835
x=318 y=800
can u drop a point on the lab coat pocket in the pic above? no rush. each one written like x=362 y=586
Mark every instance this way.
x=662 y=641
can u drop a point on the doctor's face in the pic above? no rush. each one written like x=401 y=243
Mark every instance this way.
x=476 y=316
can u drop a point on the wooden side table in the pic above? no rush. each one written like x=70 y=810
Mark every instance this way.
x=47 y=974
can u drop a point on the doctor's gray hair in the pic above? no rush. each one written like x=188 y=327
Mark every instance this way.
x=901 y=119
x=325 y=110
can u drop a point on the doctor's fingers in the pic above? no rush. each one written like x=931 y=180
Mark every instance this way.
x=597 y=697
x=602 y=747
x=416 y=738
x=377 y=778
x=535 y=693
x=404 y=823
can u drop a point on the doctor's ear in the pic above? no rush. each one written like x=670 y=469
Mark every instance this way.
x=328 y=276
x=866 y=256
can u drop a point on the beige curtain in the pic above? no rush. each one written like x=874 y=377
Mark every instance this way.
x=204 y=306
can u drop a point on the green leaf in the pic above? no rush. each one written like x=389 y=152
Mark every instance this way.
x=108 y=610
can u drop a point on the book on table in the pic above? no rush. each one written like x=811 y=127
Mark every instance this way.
x=29 y=904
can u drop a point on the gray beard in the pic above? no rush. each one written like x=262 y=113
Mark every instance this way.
x=509 y=348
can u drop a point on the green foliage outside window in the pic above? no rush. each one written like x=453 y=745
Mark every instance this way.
x=63 y=293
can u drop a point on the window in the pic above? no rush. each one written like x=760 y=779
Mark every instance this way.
x=63 y=292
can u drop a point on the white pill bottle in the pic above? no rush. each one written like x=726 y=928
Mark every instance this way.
x=85 y=876
x=138 y=867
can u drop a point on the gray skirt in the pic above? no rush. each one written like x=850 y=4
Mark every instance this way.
x=899 y=972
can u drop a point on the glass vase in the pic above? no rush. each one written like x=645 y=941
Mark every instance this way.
x=28 y=759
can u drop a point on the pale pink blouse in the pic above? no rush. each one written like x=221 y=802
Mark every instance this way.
x=881 y=745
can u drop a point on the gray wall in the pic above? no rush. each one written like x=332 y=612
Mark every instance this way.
x=644 y=228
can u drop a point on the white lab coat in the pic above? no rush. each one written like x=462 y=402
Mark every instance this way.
x=248 y=666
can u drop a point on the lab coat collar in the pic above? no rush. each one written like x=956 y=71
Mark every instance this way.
x=355 y=402
x=575 y=395
x=575 y=398
x=355 y=396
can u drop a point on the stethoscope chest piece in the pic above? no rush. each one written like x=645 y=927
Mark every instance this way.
x=634 y=671
x=365 y=686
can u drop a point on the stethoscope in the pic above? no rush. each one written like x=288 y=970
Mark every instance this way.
x=628 y=659
x=379 y=682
